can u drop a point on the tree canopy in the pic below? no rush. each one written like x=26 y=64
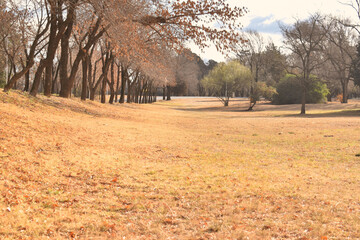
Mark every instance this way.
x=226 y=78
x=54 y=39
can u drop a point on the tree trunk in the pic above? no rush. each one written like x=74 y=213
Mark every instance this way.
x=17 y=76
x=67 y=85
x=155 y=93
x=64 y=59
x=128 y=98
x=56 y=33
x=103 y=90
x=345 y=91
x=123 y=84
x=37 y=78
x=137 y=92
x=164 y=92
x=117 y=83
x=54 y=81
x=150 y=93
x=27 y=74
x=48 y=79
x=93 y=37
x=84 y=78
x=146 y=93
x=303 y=101
x=168 y=93
x=141 y=92
x=252 y=104
x=27 y=81
x=103 y=78
x=52 y=46
x=92 y=94
x=89 y=77
x=112 y=83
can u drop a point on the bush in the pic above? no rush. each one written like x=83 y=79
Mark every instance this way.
x=289 y=91
x=265 y=91
x=339 y=98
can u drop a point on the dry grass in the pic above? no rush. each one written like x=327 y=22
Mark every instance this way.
x=185 y=169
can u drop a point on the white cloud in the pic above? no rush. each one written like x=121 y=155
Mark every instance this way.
x=270 y=20
x=284 y=11
x=288 y=10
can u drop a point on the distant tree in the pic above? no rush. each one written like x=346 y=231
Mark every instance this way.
x=250 y=52
x=341 y=51
x=330 y=78
x=305 y=39
x=226 y=78
x=261 y=89
x=355 y=73
x=289 y=90
x=204 y=69
x=265 y=62
x=186 y=73
x=274 y=65
x=59 y=38
x=355 y=5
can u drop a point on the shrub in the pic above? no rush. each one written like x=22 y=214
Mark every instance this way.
x=265 y=91
x=339 y=98
x=289 y=91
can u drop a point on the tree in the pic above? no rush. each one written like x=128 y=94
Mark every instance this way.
x=250 y=52
x=340 y=50
x=226 y=78
x=204 y=69
x=274 y=65
x=63 y=34
x=30 y=36
x=171 y=23
x=57 y=30
x=305 y=40
x=89 y=38
x=186 y=73
x=289 y=90
x=355 y=73
x=266 y=63
x=355 y=5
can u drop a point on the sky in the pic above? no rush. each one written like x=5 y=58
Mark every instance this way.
x=264 y=16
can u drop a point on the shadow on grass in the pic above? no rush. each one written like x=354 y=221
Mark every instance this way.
x=343 y=113
x=213 y=109
x=243 y=109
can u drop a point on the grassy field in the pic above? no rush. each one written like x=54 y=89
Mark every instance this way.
x=184 y=169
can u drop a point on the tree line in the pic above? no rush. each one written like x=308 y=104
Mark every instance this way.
x=89 y=47
x=320 y=57
x=130 y=50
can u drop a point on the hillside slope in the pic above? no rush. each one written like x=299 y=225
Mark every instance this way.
x=185 y=169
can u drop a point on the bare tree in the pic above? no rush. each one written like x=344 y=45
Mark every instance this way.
x=31 y=36
x=249 y=52
x=305 y=39
x=57 y=31
x=186 y=73
x=341 y=51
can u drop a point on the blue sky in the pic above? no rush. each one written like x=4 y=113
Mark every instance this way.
x=267 y=24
